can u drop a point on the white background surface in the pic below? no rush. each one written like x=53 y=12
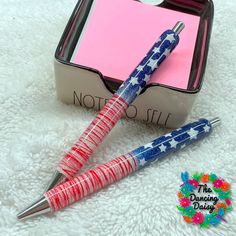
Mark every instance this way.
x=36 y=129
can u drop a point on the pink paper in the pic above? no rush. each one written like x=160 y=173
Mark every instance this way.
x=119 y=33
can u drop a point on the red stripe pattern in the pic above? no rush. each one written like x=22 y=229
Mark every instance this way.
x=92 y=137
x=90 y=181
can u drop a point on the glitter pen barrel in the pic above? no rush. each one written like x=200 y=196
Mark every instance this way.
x=106 y=119
x=118 y=168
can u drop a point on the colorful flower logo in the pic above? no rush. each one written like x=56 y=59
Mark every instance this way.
x=196 y=196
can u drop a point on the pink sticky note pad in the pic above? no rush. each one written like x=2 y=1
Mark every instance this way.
x=119 y=33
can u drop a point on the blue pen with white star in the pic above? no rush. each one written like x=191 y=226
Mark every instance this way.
x=174 y=141
x=106 y=119
x=118 y=168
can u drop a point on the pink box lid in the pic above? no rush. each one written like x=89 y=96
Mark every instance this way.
x=119 y=33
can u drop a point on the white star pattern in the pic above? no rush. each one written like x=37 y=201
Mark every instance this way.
x=157 y=50
x=152 y=63
x=122 y=85
x=168 y=135
x=178 y=129
x=171 y=38
x=139 y=78
x=173 y=143
x=206 y=128
x=146 y=78
x=162 y=148
x=140 y=68
x=142 y=162
x=166 y=52
x=134 y=81
x=192 y=133
x=139 y=90
x=149 y=145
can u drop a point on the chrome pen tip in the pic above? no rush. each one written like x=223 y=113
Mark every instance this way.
x=37 y=208
x=178 y=27
x=57 y=178
x=214 y=122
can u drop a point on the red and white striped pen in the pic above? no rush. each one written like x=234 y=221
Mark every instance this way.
x=116 y=169
x=106 y=119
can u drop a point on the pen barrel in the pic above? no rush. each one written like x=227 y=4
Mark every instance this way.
x=79 y=153
x=106 y=119
x=171 y=142
x=116 y=169
x=90 y=182
x=140 y=76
